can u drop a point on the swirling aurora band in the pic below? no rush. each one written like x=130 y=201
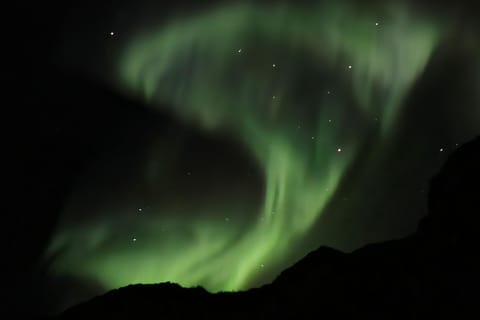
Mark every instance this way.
x=298 y=86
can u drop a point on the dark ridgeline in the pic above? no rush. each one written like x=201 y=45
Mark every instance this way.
x=430 y=274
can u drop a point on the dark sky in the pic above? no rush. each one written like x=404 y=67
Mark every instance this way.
x=218 y=144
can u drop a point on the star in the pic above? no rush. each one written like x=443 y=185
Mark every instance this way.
x=339 y=150
x=134 y=239
x=274 y=65
x=239 y=51
x=376 y=23
x=441 y=149
x=140 y=209
x=112 y=33
x=350 y=67
x=274 y=97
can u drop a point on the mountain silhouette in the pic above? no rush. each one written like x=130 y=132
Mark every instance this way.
x=430 y=274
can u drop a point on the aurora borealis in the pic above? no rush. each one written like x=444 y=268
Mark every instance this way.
x=315 y=95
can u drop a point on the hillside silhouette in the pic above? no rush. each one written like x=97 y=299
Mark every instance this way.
x=430 y=274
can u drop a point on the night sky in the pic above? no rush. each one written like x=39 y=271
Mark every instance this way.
x=217 y=144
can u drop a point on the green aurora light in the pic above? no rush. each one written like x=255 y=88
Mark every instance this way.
x=300 y=87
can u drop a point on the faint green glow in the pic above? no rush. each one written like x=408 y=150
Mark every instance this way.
x=215 y=70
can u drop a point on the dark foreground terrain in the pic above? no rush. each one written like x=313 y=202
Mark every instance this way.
x=429 y=275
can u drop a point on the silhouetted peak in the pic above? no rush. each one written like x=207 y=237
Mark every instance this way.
x=429 y=274
x=322 y=261
x=454 y=195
